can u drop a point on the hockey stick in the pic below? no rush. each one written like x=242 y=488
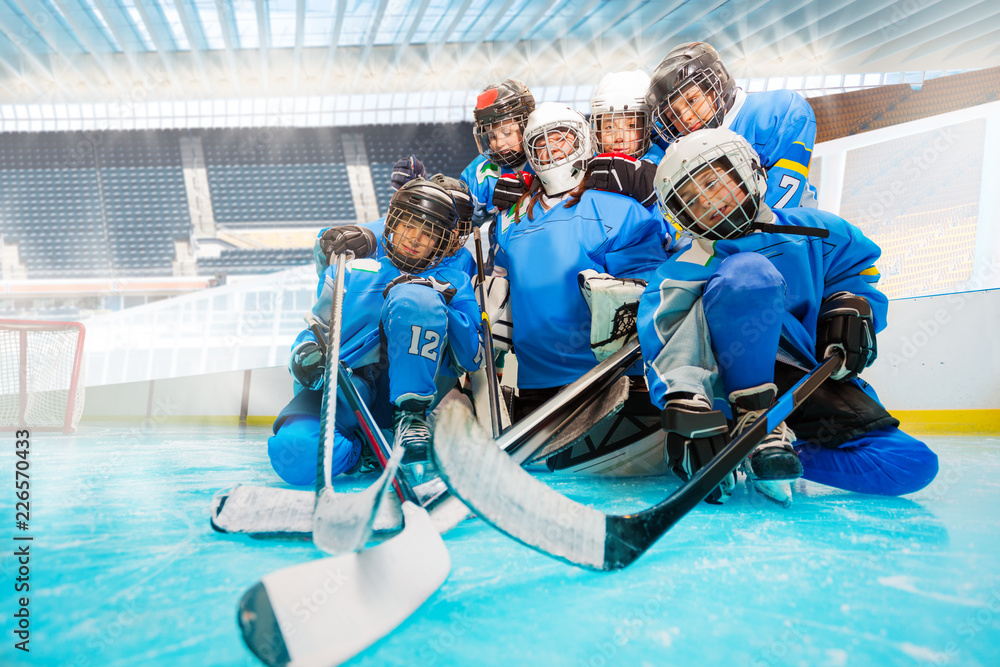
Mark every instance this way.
x=517 y=504
x=272 y=512
x=353 y=600
x=341 y=522
x=491 y=369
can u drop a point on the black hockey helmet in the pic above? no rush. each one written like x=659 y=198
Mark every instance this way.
x=498 y=105
x=464 y=205
x=695 y=64
x=420 y=226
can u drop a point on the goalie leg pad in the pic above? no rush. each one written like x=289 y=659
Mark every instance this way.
x=614 y=306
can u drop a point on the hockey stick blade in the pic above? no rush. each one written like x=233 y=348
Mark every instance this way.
x=270 y=512
x=366 y=596
x=514 y=502
x=342 y=522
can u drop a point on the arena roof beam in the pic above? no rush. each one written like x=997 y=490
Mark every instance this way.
x=404 y=44
x=531 y=25
x=9 y=25
x=196 y=38
x=19 y=76
x=473 y=48
x=833 y=26
x=969 y=46
x=124 y=32
x=97 y=51
x=759 y=17
x=960 y=24
x=376 y=24
x=264 y=41
x=585 y=43
x=894 y=26
x=163 y=40
x=436 y=49
x=655 y=52
x=331 y=55
x=300 y=38
x=231 y=39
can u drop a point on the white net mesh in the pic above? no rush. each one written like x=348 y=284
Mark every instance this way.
x=41 y=374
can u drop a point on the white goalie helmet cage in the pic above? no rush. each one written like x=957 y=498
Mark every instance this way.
x=619 y=114
x=710 y=175
x=558 y=145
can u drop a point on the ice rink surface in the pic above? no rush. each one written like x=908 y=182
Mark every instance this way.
x=126 y=570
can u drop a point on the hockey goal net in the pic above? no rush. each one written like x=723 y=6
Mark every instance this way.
x=41 y=375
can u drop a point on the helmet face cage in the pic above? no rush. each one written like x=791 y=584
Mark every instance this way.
x=420 y=226
x=714 y=196
x=500 y=114
x=695 y=103
x=625 y=132
x=559 y=152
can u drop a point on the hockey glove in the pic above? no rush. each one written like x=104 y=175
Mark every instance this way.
x=308 y=364
x=405 y=170
x=509 y=189
x=443 y=288
x=695 y=435
x=845 y=322
x=617 y=172
x=360 y=241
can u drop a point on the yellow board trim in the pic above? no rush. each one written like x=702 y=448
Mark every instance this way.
x=792 y=166
x=949 y=422
x=914 y=422
x=190 y=420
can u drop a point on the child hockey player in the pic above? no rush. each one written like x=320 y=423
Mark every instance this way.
x=622 y=126
x=365 y=240
x=691 y=89
x=406 y=316
x=556 y=231
x=723 y=309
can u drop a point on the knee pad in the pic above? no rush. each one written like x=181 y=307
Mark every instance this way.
x=293 y=448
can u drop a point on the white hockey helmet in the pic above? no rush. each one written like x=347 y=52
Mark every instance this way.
x=619 y=114
x=557 y=143
x=710 y=184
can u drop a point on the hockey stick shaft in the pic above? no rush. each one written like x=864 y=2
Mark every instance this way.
x=328 y=411
x=628 y=537
x=509 y=498
x=491 y=368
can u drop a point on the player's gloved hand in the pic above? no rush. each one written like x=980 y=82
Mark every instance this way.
x=845 y=322
x=308 y=364
x=695 y=435
x=444 y=288
x=405 y=170
x=617 y=172
x=355 y=239
x=509 y=189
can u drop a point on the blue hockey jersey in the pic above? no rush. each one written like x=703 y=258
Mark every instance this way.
x=364 y=282
x=481 y=176
x=781 y=127
x=813 y=269
x=606 y=232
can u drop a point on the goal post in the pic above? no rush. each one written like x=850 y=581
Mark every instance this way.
x=41 y=375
